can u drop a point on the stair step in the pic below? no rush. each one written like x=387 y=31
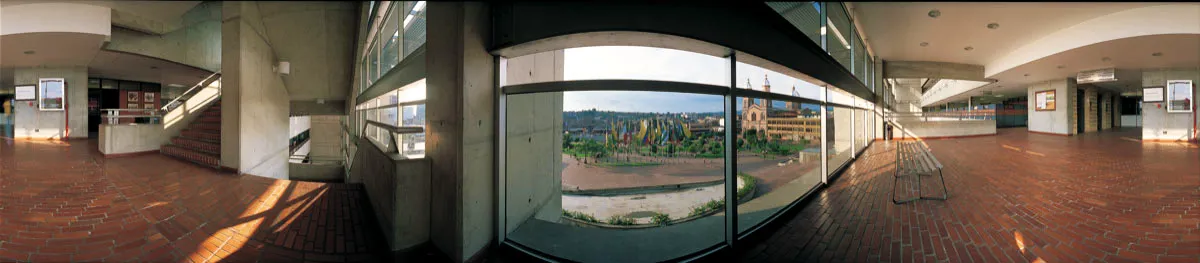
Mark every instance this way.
x=211 y=113
x=198 y=145
x=207 y=126
x=201 y=134
x=209 y=119
x=191 y=155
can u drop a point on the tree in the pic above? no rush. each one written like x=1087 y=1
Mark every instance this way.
x=671 y=150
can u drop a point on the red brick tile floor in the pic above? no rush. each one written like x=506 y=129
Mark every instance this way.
x=1014 y=197
x=64 y=202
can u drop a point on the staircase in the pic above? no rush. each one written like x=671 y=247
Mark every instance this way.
x=200 y=142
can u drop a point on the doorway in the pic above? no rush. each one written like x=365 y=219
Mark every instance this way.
x=6 y=115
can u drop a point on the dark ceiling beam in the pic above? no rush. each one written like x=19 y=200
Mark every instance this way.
x=749 y=27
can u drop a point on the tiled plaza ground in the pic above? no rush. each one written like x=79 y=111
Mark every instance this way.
x=63 y=202
x=1014 y=197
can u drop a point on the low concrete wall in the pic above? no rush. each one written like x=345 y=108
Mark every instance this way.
x=399 y=192
x=316 y=172
x=130 y=138
x=942 y=129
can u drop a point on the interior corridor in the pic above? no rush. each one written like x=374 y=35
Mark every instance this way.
x=1014 y=197
x=151 y=208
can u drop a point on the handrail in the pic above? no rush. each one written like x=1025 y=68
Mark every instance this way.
x=204 y=82
x=113 y=115
x=395 y=129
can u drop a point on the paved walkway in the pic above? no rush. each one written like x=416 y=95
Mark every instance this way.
x=63 y=202
x=1015 y=197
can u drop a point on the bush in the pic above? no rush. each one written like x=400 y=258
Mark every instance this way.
x=661 y=219
x=580 y=216
x=712 y=205
x=620 y=220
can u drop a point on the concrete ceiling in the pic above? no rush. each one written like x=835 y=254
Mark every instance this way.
x=1129 y=56
x=129 y=66
x=895 y=30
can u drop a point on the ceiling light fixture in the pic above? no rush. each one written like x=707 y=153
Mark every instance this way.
x=1157 y=54
x=935 y=13
x=1105 y=59
x=174 y=85
x=29 y=52
x=924 y=44
x=1026 y=74
x=153 y=67
x=1060 y=66
x=968 y=48
x=993 y=26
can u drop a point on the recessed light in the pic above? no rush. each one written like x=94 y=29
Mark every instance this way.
x=924 y=44
x=1105 y=59
x=968 y=48
x=174 y=85
x=153 y=67
x=993 y=26
x=1026 y=74
x=935 y=13
x=1157 y=54
x=1060 y=66
x=29 y=52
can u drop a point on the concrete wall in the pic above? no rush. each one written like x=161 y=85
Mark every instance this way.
x=316 y=38
x=29 y=122
x=1157 y=124
x=324 y=136
x=534 y=142
x=399 y=192
x=196 y=43
x=461 y=118
x=1091 y=104
x=254 y=98
x=1060 y=120
x=130 y=138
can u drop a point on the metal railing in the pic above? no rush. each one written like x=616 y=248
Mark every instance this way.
x=944 y=115
x=190 y=91
x=114 y=116
x=393 y=142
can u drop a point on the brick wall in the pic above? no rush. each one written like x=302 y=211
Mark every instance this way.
x=1090 y=101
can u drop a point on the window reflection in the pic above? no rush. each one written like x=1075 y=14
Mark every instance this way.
x=779 y=156
x=630 y=172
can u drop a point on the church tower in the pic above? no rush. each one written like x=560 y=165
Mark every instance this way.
x=791 y=105
x=767 y=89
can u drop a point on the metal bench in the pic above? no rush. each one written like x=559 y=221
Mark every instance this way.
x=913 y=158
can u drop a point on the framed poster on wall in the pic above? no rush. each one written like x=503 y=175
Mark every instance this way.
x=149 y=97
x=52 y=91
x=132 y=96
x=148 y=106
x=1044 y=100
x=1152 y=94
x=26 y=93
x=1179 y=96
x=131 y=106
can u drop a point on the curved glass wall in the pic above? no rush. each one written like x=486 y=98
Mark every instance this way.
x=636 y=154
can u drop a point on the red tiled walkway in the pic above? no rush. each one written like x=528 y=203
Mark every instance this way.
x=62 y=202
x=1014 y=197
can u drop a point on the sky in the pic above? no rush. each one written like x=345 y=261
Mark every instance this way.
x=647 y=63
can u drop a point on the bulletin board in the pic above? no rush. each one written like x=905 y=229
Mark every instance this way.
x=52 y=94
x=1044 y=100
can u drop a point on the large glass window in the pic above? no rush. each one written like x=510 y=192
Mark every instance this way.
x=778 y=156
x=838 y=34
x=586 y=170
x=390 y=38
x=860 y=58
x=805 y=16
x=414 y=26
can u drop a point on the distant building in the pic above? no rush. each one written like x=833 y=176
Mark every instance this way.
x=788 y=123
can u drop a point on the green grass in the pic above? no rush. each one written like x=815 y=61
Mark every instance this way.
x=628 y=164
x=750 y=184
x=710 y=155
x=718 y=204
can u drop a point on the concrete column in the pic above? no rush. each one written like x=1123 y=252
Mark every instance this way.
x=461 y=116
x=31 y=123
x=254 y=102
